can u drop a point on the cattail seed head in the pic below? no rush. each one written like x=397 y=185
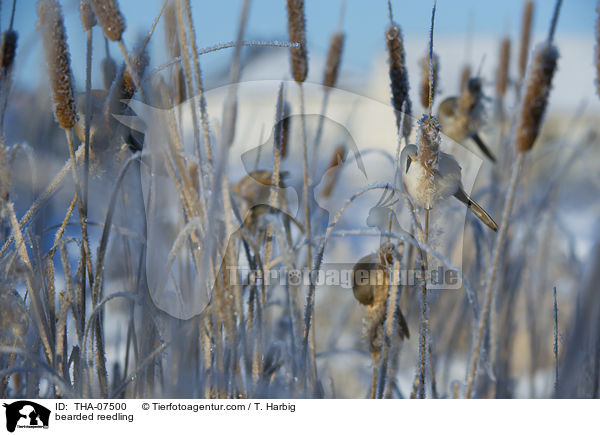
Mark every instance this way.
x=171 y=30
x=333 y=170
x=398 y=72
x=334 y=56
x=88 y=19
x=297 y=32
x=525 y=37
x=109 y=71
x=428 y=143
x=465 y=75
x=535 y=100
x=57 y=61
x=282 y=129
x=110 y=18
x=435 y=65
x=179 y=85
x=8 y=48
x=503 y=65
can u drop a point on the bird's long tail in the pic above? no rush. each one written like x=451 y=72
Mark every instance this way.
x=462 y=196
x=483 y=147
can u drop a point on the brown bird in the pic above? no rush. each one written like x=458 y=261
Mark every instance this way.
x=254 y=190
x=370 y=283
x=107 y=133
x=461 y=117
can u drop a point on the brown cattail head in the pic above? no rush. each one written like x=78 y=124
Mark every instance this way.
x=535 y=100
x=57 y=61
x=171 y=30
x=179 y=85
x=194 y=175
x=88 y=19
x=333 y=170
x=109 y=71
x=297 y=32
x=334 y=56
x=110 y=18
x=435 y=65
x=428 y=143
x=8 y=48
x=282 y=129
x=465 y=75
x=503 y=65
x=398 y=71
x=525 y=37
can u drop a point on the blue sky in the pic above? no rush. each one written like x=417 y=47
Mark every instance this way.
x=364 y=23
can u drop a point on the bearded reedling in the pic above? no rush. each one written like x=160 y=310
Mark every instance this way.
x=370 y=284
x=427 y=187
x=461 y=117
x=253 y=190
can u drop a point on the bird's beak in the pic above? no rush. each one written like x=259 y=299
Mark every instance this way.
x=409 y=160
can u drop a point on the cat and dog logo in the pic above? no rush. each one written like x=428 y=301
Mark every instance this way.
x=26 y=414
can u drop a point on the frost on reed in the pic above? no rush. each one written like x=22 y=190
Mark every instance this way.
x=334 y=55
x=57 y=61
x=525 y=37
x=110 y=18
x=398 y=72
x=297 y=31
x=88 y=19
x=424 y=90
x=428 y=143
x=535 y=100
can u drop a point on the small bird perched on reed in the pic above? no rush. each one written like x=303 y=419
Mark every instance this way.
x=253 y=190
x=370 y=284
x=446 y=181
x=107 y=135
x=461 y=117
